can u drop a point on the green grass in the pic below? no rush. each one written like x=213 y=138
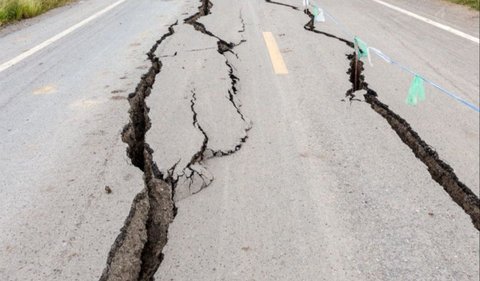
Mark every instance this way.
x=11 y=10
x=474 y=4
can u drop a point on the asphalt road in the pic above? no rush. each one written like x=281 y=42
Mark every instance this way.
x=246 y=160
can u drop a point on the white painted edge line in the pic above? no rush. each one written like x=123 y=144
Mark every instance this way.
x=57 y=37
x=429 y=21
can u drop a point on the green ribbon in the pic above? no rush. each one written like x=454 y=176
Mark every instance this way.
x=416 y=92
x=315 y=11
x=362 y=48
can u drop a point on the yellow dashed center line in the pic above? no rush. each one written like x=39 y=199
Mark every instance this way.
x=46 y=90
x=277 y=60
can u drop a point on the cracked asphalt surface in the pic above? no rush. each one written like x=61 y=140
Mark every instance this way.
x=157 y=143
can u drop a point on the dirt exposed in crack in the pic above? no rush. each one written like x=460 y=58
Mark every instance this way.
x=356 y=73
x=356 y=78
x=440 y=171
x=161 y=214
x=124 y=260
x=134 y=132
x=136 y=253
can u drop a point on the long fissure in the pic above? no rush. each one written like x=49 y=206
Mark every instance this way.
x=137 y=251
x=441 y=172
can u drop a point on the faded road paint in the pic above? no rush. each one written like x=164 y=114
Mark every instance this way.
x=277 y=60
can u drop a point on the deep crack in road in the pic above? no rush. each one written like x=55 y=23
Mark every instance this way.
x=440 y=171
x=338 y=179
x=137 y=252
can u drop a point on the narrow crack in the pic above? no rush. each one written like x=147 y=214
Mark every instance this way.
x=198 y=50
x=193 y=170
x=231 y=97
x=310 y=26
x=199 y=155
x=233 y=92
x=283 y=4
x=194 y=174
x=441 y=172
x=242 y=21
x=204 y=10
x=169 y=56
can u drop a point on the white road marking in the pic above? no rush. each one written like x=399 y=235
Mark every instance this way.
x=57 y=37
x=429 y=21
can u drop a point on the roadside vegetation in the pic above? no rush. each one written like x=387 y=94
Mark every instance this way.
x=474 y=4
x=11 y=10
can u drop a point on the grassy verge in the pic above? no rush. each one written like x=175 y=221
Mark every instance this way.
x=474 y=4
x=11 y=10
